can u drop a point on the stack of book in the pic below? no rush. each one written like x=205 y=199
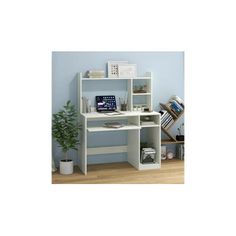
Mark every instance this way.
x=175 y=106
x=166 y=119
x=96 y=73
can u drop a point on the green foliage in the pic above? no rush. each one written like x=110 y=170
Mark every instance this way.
x=65 y=128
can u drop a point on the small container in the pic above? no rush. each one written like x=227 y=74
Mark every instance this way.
x=180 y=137
x=139 y=108
x=123 y=107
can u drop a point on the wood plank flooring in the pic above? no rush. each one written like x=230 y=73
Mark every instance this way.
x=171 y=172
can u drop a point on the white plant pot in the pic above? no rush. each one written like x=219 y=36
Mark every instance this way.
x=66 y=167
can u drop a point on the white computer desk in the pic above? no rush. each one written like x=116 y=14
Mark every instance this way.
x=133 y=127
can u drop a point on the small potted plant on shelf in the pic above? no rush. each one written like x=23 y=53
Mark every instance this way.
x=65 y=131
x=180 y=137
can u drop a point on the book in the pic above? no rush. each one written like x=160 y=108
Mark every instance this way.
x=169 y=124
x=175 y=108
x=96 y=76
x=166 y=122
x=96 y=72
x=177 y=105
x=166 y=118
x=164 y=115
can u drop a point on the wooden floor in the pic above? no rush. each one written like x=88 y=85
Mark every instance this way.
x=171 y=172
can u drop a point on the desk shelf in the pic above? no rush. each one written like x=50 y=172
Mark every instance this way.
x=141 y=94
x=171 y=142
x=147 y=126
x=149 y=166
x=100 y=129
x=118 y=78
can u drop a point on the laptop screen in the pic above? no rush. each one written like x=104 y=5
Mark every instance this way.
x=105 y=103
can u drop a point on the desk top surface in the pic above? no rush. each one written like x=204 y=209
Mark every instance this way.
x=122 y=114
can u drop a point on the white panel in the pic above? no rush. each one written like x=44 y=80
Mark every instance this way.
x=149 y=166
x=79 y=89
x=153 y=136
x=130 y=92
x=100 y=129
x=106 y=150
x=83 y=146
x=134 y=148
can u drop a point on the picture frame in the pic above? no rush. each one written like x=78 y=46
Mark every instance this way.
x=113 y=68
x=127 y=70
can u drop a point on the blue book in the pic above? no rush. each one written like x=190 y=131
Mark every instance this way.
x=175 y=108
x=177 y=105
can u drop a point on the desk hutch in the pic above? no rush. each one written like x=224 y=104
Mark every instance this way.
x=93 y=123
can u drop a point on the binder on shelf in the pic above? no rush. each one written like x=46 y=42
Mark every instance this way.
x=175 y=108
x=169 y=124
x=166 y=118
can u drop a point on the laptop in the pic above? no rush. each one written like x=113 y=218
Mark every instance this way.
x=105 y=103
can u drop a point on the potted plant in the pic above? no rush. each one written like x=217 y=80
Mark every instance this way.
x=65 y=131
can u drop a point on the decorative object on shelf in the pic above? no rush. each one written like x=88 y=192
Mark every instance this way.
x=163 y=152
x=146 y=120
x=148 y=155
x=140 y=89
x=65 y=130
x=123 y=106
x=127 y=71
x=96 y=73
x=123 y=102
x=146 y=109
x=170 y=155
x=137 y=107
x=113 y=68
x=180 y=137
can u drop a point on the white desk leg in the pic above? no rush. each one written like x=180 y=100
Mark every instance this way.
x=133 y=148
x=83 y=146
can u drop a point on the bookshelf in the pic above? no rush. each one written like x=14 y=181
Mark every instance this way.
x=172 y=139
